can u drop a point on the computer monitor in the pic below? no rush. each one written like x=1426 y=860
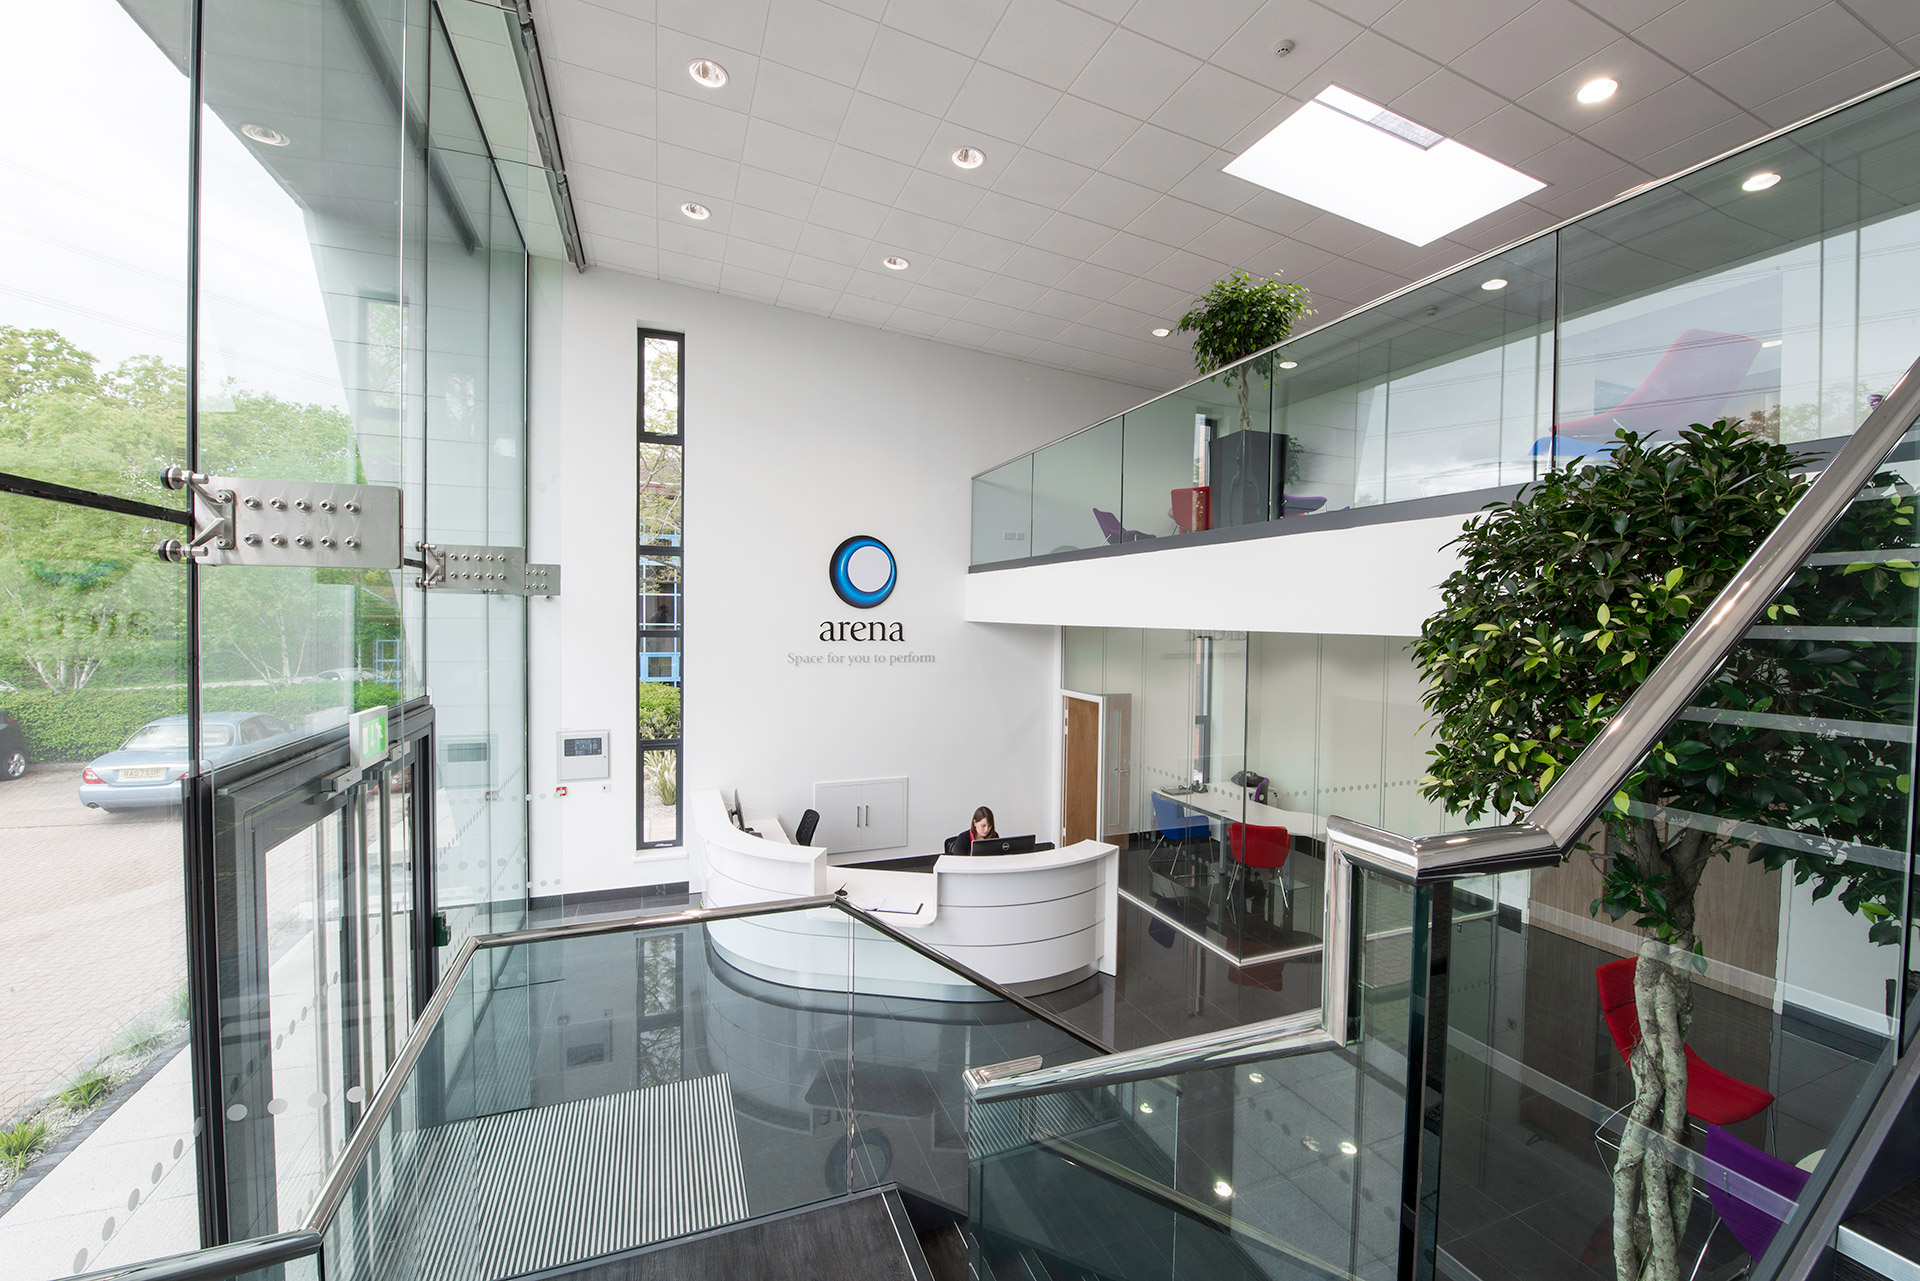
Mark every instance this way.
x=1005 y=845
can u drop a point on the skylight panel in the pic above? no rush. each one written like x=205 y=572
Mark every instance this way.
x=1353 y=157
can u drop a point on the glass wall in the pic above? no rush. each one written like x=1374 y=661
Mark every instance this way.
x=293 y=258
x=1784 y=301
x=1241 y=744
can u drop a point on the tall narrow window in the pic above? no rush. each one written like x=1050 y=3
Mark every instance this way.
x=658 y=577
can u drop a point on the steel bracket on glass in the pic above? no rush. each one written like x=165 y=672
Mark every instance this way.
x=240 y=520
x=504 y=571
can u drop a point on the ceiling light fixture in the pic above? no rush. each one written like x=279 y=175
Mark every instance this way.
x=1354 y=158
x=1221 y=1188
x=1598 y=90
x=1256 y=1078
x=1493 y=286
x=895 y=263
x=707 y=73
x=1161 y=333
x=1761 y=181
x=265 y=136
x=1289 y=364
x=1773 y=342
x=1348 y=1148
x=696 y=211
x=1146 y=1109
x=969 y=157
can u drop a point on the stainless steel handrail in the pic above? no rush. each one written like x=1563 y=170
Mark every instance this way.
x=1469 y=263
x=1253 y=1042
x=217 y=1263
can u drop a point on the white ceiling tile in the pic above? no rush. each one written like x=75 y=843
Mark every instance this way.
x=675 y=51
x=1231 y=240
x=1001 y=103
x=1657 y=121
x=1893 y=20
x=819 y=38
x=799 y=100
x=1373 y=67
x=1447 y=103
x=875 y=9
x=1317 y=33
x=982 y=312
x=1019 y=294
x=696 y=171
x=683 y=269
x=1173 y=221
x=738 y=22
x=586 y=35
x=1704 y=145
x=605 y=251
x=1004 y=216
x=1081 y=131
x=913 y=73
x=778 y=149
x=803 y=296
x=1017 y=346
x=848 y=215
x=1211 y=187
x=1074 y=237
x=1034 y=324
x=1869 y=73
x=1157 y=158
x=887 y=286
x=1694 y=33
x=1045 y=40
x=604 y=148
x=702 y=126
x=1063 y=306
x=757 y=257
x=1134 y=74
x=979 y=250
x=1154 y=298
x=764 y=189
x=1094 y=282
x=818 y=271
x=685 y=239
x=954 y=277
x=1512 y=134
x=909 y=234
x=1275 y=212
x=1445 y=29
x=886 y=129
x=635 y=225
x=1338 y=276
x=936 y=302
x=870 y=177
x=1535 y=47
x=1134 y=350
x=1198 y=29
x=866 y=311
x=920 y=323
x=1571 y=162
x=761 y=227
x=1085 y=337
x=586 y=94
x=1031 y=175
x=830 y=245
x=1135 y=255
x=938 y=197
x=1039 y=266
x=609 y=187
x=965 y=333
x=1110 y=201
x=1291 y=259
x=1639 y=73
x=1334 y=234
x=1627 y=14
x=1186 y=271
x=1213 y=106
x=1118 y=319
x=960 y=25
x=1773 y=64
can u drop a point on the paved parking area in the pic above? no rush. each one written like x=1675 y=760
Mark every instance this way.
x=91 y=928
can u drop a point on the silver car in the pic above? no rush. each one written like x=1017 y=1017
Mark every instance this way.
x=147 y=769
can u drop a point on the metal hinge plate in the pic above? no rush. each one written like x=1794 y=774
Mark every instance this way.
x=240 y=520
x=468 y=567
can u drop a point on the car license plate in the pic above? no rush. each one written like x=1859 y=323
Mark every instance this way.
x=151 y=771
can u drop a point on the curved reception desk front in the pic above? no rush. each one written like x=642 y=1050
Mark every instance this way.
x=1030 y=922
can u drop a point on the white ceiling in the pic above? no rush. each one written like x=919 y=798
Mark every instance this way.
x=1101 y=210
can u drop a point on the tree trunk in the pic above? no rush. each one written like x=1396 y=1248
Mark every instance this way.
x=1651 y=1195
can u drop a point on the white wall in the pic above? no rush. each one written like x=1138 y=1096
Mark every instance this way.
x=801 y=432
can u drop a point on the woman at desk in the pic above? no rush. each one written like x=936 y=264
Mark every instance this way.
x=981 y=829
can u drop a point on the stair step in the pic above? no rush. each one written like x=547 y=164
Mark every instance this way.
x=1885 y=1237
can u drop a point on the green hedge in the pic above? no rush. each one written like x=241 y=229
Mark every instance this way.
x=659 y=710
x=95 y=721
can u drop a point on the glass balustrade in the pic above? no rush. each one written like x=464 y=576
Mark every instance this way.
x=1696 y=299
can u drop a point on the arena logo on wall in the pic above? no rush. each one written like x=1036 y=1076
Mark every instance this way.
x=863 y=574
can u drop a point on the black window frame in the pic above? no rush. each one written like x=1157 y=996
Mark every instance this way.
x=676 y=554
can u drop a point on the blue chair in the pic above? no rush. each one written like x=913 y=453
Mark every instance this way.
x=1177 y=828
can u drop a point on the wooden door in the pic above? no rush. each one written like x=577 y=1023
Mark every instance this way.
x=1080 y=771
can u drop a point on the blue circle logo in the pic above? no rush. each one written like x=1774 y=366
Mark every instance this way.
x=862 y=571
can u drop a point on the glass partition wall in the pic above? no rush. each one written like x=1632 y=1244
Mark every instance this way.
x=256 y=242
x=1783 y=302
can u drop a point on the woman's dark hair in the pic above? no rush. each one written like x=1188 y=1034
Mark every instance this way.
x=984 y=812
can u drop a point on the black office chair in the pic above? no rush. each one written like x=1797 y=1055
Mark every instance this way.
x=803 y=834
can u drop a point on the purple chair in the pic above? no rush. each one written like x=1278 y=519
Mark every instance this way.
x=1740 y=1167
x=1111 y=529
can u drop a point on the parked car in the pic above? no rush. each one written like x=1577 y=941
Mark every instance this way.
x=13 y=749
x=147 y=769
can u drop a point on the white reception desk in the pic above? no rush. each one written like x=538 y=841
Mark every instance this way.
x=1031 y=922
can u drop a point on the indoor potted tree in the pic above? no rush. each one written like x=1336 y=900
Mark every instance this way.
x=1239 y=316
x=1564 y=601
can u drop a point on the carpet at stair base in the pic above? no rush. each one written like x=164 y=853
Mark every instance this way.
x=539 y=1187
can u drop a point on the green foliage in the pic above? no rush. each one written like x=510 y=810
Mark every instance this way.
x=659 y=710
x=85 y=1090
x=96 y=720
x=20 y=1143
x=663 y=776
x=1240 y=315
x=145 y=1037
x=1567 y=598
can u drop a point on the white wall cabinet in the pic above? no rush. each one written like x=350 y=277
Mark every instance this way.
x=861 y=814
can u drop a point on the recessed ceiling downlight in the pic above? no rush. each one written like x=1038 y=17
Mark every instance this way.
x=707 y=73
x=1289 y=364
x=969 y=157
x=1161 y=333
x=1493 y=286
x=893 y=262
x=1598 y=90
x=696 y=211
x=265 y=136
x=1761 y=181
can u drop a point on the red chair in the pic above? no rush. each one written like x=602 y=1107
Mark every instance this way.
x=1712 y=1095
x=1257 y=848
